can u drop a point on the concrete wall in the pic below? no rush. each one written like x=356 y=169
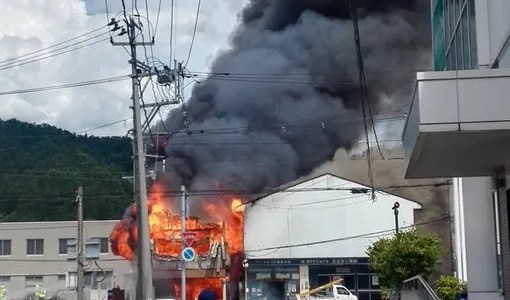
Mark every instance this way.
x=54 y=267
x=480 y=238
x=493 y=31
x=499 y=28
x=301 y=217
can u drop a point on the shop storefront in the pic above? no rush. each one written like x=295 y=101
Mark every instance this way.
x=271 y=280
x=282 y=278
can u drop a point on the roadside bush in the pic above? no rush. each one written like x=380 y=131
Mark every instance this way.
x=448 y=287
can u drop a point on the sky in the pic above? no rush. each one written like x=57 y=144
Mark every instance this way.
x=31 y=25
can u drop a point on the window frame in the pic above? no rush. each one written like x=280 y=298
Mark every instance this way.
x=2 y=245
x=35 y=247
x=33 y=280
x=66 y=241
x=101 y=240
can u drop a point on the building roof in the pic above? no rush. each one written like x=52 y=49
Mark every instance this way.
x=300 y=181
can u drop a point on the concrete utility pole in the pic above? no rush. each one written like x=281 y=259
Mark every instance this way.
x=183 y=242
x=144 y=287
x=80 y=284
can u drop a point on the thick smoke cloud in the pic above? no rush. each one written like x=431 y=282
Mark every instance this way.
x=258 y=131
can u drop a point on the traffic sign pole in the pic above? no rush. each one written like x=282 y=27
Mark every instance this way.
x=183 y=241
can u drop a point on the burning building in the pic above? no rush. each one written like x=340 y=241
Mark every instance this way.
x=275 y=106
x=218 y=243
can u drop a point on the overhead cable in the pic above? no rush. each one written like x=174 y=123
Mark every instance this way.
x=194 y=33
x=65 y=86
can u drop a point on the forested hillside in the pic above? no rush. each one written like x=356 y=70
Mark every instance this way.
x=41 y=166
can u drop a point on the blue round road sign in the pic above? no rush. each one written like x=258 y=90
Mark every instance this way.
x=188 y=254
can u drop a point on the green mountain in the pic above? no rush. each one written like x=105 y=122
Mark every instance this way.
x=41 y=167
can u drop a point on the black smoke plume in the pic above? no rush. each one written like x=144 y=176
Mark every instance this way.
x=286 y=96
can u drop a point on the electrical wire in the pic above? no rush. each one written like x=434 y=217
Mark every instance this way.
x=103 y=126
x=362 y=78
x=51 y=55
x=52 y=46
x=194 y=33
x=364 y=100
x=172 y=10
x=65 y=86
x=442 y=219
x=107 y=12
x=157 y=18
x=238 y=192
x=301 y=124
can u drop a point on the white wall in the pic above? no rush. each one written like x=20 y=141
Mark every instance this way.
x=492 y=30
x=499 y=22
x=480 y=238
x=289 y=218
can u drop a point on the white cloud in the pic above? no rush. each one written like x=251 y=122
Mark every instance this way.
x=29 y=25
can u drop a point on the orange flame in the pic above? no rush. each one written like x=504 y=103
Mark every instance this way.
x=225 y=216
x=222 y=219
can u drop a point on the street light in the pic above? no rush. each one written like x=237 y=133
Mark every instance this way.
x=395 y=212
x=246 y=265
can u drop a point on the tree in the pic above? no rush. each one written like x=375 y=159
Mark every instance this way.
x=449 y=287
x=403 y=256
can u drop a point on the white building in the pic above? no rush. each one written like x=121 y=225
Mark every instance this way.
x=459 y=126
x=36 y=253
x=312 y=232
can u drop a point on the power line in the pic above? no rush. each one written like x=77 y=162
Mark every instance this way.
x=365 y=102
x=263 y=192
x=103 y=126
x=194 y=33
x=52 y=46
x=411 y=72
x=157 y=18
x=348 y=237
x=172 y=15
x=363 y=88
x=269 y=80
x=65 y=86
x=51 y=54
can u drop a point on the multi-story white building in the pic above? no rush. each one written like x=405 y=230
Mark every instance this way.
x=459 y=127
x=43 y=253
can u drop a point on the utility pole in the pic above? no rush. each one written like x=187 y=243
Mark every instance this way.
x=79 y=247
x=395 y=212
x=144 y=259
x=144 y=287
x=183 y=242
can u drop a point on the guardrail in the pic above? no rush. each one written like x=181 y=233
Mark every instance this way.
x=416 y=288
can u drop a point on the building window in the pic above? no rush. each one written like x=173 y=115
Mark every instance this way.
x=35 y=247
x=4 y=279
x=32 y=280
x=63 y=245
x=454 y=35
x=103 y=245
x=5 y=247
